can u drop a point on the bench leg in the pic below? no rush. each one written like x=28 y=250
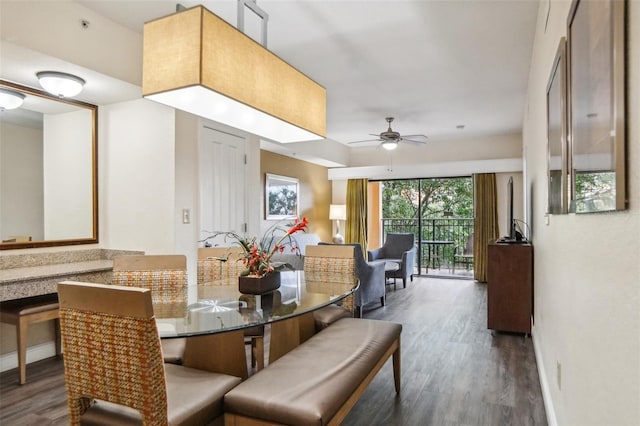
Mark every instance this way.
x=56 y=325
x=396 y=367
x=23 y=327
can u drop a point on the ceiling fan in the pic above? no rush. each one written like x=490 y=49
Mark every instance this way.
x=389 y=139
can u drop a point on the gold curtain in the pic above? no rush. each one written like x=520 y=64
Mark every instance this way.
x=485 y=221
x=356 y=226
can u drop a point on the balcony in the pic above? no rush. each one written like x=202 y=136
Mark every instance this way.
x=436 y=240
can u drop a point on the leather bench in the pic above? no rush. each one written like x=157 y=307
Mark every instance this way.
x=318 y=382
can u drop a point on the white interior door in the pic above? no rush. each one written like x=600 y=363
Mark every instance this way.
x=222 y=183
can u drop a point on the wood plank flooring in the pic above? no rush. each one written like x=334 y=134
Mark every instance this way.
x=454 y=370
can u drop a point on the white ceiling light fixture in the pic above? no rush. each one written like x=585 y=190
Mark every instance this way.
x=10 y=99
x=390 y=145
x=60 y=84
x=226 y=76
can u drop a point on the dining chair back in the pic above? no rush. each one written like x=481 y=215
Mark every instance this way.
x=166 y=277
x=113 y=364
x=326 y=264
x=214 y=265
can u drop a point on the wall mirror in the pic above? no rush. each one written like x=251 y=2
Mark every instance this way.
x=596 y=53
x=281 y=197
x=557 y=134
x=48 y=171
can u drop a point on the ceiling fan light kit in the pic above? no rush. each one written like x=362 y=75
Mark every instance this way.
x=390 y=145
x=228 y=77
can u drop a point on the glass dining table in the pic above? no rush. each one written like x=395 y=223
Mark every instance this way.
x=215 y=314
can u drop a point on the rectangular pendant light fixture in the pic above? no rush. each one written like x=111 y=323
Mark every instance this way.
x=195 y=61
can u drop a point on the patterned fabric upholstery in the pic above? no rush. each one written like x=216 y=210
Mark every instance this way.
x=216 y=263
x=166 y=277
x=124 y=354
x=336 y=264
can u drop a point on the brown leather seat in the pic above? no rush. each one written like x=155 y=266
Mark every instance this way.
x=113 y=364
x=312 y=382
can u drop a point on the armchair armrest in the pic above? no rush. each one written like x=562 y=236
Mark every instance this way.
x=407 y=262
x=375 y=254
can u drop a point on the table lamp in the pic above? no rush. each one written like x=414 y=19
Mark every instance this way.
x=338 y=212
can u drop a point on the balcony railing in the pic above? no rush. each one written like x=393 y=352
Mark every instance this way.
x=436 y=239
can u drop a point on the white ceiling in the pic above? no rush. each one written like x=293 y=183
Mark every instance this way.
x=432 y=65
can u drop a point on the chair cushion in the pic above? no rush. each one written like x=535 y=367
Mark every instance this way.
x=193 y=397
x=173 y=350
x=326 y=316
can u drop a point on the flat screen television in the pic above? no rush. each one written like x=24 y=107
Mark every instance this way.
x=513 y=236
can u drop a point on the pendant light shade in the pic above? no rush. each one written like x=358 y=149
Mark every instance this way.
x=10 y=99
x=60 y=84
x=196 y=62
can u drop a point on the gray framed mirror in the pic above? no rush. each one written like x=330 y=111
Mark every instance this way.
x=48 y=171
x=557 y=148
x=596 y=58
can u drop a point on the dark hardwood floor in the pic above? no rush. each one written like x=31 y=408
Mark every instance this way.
x=454 y=370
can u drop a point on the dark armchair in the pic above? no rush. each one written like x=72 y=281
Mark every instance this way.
x=399 y=248
x=372 y=280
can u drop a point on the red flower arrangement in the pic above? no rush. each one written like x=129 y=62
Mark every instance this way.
x=257 y=254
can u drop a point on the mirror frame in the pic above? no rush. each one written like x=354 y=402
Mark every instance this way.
x=94 y=159
x=613 y=25
x=557 y=192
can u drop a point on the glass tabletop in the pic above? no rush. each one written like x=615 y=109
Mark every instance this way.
x=219 y=306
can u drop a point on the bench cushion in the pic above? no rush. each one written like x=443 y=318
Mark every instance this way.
x=308 y=385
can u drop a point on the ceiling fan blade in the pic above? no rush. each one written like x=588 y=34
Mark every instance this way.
x=415 y=137
x=366 y=140
x=412 y=141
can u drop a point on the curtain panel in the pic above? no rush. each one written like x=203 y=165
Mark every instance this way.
x=485 y=221
x=356 y=226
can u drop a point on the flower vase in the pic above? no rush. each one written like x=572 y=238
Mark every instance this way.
x=249 y=284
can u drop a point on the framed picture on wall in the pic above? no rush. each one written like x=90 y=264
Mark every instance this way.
x=281 y=197
x=596 y=58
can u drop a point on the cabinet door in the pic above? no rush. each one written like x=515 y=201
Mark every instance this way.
x=509 y=293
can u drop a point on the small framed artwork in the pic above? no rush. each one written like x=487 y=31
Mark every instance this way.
x=557 y=148
x=281 y=197
x=596 y=59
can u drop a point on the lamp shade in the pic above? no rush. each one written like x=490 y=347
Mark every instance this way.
x=337 y=212
x=195 y=61
x=60 y=84
x=10 y=99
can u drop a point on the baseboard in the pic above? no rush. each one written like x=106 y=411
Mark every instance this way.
x=544 y=384
x=9 y=361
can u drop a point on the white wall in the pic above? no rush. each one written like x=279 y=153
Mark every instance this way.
x=587 y=267
x=21 y=182
x=68 y=179
x=137 y=177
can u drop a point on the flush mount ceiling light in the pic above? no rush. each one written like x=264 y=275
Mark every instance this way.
x=196 y=62
x=390 y=145
x=60 y=84
x=10 y=99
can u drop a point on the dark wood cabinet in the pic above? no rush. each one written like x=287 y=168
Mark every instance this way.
x=510 y=287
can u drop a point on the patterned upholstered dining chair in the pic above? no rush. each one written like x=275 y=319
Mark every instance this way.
x=166 y=277
x=216 y=263
x=113 y=365
x=323 y=265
